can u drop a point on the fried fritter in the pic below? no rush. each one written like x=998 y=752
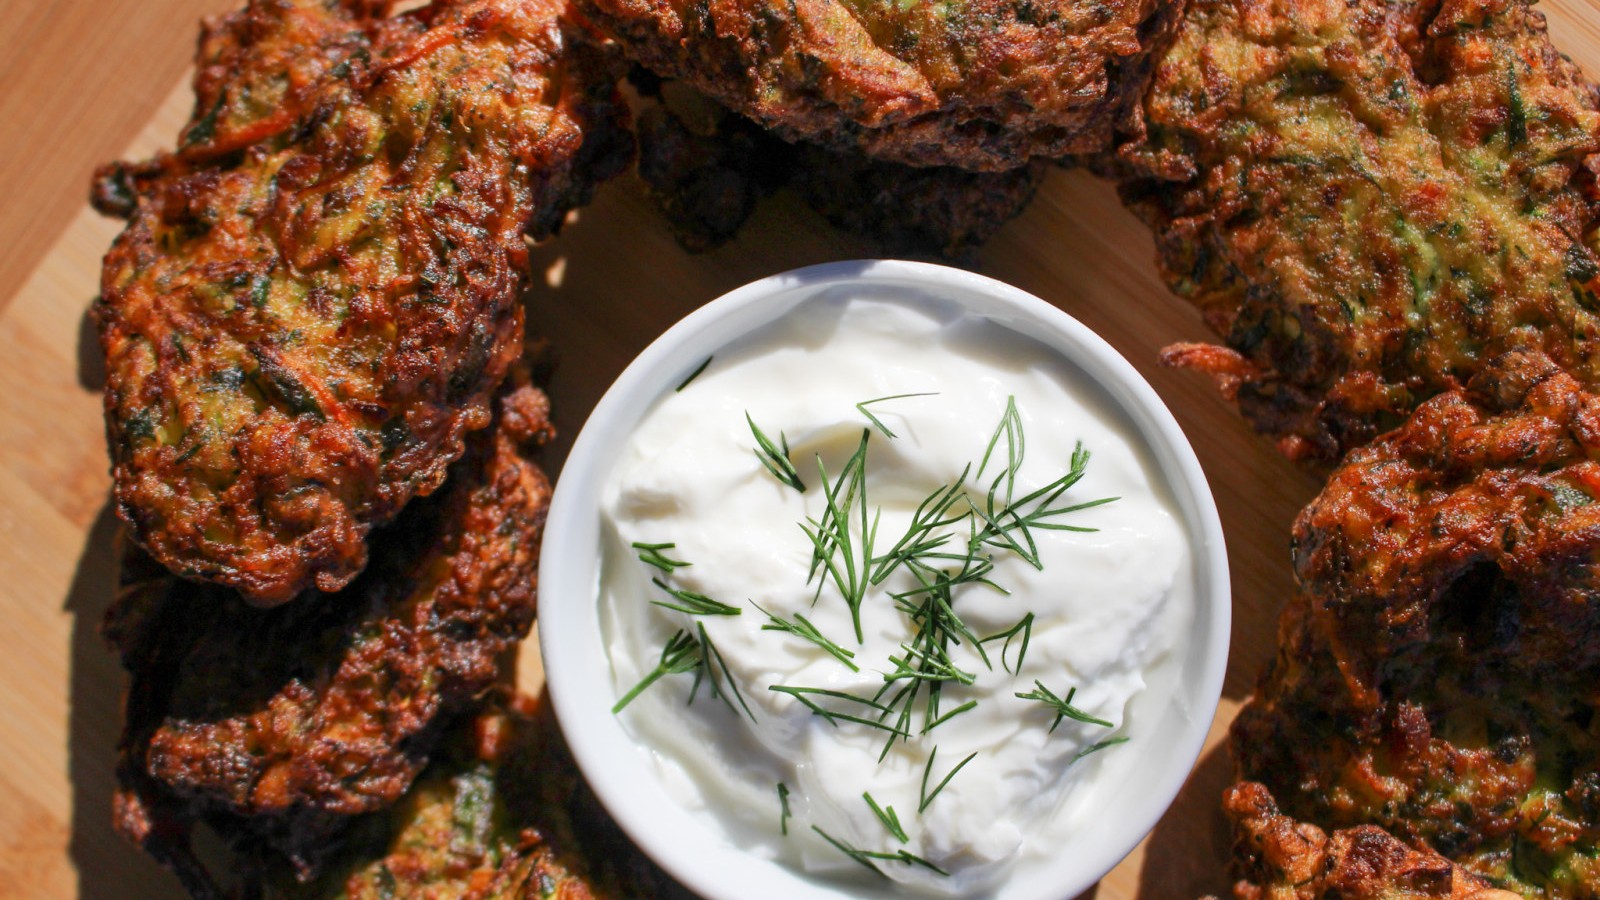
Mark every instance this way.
x=316 y=295
x=1369 y=199
x=942 y=211
x=1436 y=674
x=257 y=72
x=276 y=726
x=983 y=84
x=707 y=168
x=501 y=814
x=1281 y=859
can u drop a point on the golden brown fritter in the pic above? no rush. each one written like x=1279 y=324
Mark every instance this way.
x=276 y=726
x=1281 y=859
x=257 y=72
x=707 y=168
x=979 y=84
x=316 y=295
x=1436 y=674
x=501 y=814
x=1369 y=199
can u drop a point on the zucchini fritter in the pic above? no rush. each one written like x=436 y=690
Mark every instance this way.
x=316 y=295
x=1281 y=859
x=707 y=168
x=1437 y=674
x=501 y=814
x=943 y=211
x=980 y=84
x=277 y=726
x=1369 y=199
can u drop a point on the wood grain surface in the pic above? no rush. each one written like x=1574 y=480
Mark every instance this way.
x=86 y=80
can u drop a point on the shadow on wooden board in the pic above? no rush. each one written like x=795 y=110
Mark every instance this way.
x=1186 y=857
x=108 y=866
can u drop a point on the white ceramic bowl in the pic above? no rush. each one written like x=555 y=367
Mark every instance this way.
x=575 y=659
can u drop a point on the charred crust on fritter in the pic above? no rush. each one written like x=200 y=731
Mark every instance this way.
x=1369 y=201
x=277 y=726
x=706 y=177
x=983 y=85
x=315 y=299
x=1278 y=858
x=707 y=168
x=500 y=812
x=1434 y=676
x=941 y=211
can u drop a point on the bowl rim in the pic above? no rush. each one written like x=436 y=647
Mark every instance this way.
x=578 y=680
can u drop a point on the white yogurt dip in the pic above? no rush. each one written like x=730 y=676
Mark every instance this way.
x=1099 y=609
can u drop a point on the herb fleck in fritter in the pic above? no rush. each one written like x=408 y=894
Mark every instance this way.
x=1436 y=674
x=316 y=294
x=278 y=726
x=979 y=84
x=1369 y=200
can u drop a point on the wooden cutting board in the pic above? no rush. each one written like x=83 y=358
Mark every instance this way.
x=604 y=289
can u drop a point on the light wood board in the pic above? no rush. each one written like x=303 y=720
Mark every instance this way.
x=607 y=286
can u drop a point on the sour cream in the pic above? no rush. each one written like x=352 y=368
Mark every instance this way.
x=1101 y=614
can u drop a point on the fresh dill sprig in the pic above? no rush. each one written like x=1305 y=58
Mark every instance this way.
x=890 y=820
x=862 y=407
x=775 y=457
x=869 y=858
x=783 y=804
x=926 y=661
x=919 y=539
x=802 y=627
x=900 y=704
x=939 y=616
x=926 y=666
x=1096 y=748
x=965 y=707
x=859 y=856
x=1005 y=521
x=693 y=375
x=927 y=798
x=1011 y=427
x=684 y=653
x=834 y=717
x=694 y=604
x=950 y=544
x=681 y=654
x=710 y=654
x=1025 y=626
x=1063 y=706
x=834 y=539
x=825 y=692
x=827 y=529
x=651 y=555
